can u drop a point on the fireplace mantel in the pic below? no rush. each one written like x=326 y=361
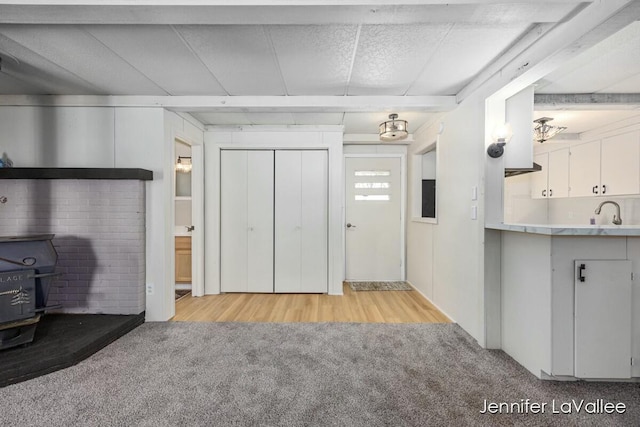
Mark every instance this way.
x=76 y=173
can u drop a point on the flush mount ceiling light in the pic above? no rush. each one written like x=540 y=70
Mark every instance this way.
x=393 y=130
x=183 y=164
x=544 y=132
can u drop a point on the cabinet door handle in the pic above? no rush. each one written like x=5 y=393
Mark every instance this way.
x=581 y=270
x=550 y=192
x=604 y=189
x=594 y=190
x=544 y=193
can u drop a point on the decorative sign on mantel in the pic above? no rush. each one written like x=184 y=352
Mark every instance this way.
x=76 y=173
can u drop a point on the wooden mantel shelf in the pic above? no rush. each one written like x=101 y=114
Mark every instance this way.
x=76 y=173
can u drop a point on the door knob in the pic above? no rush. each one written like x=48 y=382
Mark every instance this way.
x=349 y=225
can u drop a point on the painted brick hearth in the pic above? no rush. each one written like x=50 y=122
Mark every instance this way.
x=99 y=228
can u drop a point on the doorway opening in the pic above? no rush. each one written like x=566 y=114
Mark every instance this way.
x=183 y=222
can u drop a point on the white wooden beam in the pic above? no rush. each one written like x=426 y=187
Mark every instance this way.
x=276 y=12
x=593 y=101
x=263 y=2
x=244 y=103
x=592 y=24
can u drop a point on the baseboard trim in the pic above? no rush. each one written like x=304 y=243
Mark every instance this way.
x=433 y=303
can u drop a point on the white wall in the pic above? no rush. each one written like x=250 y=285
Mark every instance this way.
x=455 y=242
x=108 y=137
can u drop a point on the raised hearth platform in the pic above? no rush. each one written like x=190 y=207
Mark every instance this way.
x=63 y=340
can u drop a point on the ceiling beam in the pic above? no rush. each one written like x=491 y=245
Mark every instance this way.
x=323 y=104
x=592 y=101
x=281 y=12
x=264 y=2
x=590 y=25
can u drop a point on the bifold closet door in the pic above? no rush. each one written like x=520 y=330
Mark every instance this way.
x=246 y=221
x=301 y=221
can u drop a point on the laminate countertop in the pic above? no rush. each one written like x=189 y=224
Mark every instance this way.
x=569 y=229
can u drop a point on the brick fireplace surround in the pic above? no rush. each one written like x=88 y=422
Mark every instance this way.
x=99 y=227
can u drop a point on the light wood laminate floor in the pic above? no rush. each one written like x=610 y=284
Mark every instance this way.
x=363 y=306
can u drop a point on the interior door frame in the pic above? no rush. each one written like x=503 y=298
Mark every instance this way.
x=403 y=205
x=197 y=212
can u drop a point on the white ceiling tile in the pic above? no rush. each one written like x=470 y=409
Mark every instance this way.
x=240 y=57
x=611 y=65
x=314 y=59
x=81 y=54
x=42 y=75
x=217 y=118
x=466 y=50
x=390 y=57
x=12 y=86
x=271 y=118
x=628 y=85
x=166 y=59
x=318 y=118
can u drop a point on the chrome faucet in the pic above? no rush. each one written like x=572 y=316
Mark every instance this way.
x=616 y=217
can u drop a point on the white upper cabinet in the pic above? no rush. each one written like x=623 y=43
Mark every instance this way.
x=584 y=169
x=620 y=164
x=559 y=173
x=553 y=179
x=609 y=167
x=539 y=180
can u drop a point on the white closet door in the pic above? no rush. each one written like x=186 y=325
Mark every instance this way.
x=301 y=217
x=246 y=221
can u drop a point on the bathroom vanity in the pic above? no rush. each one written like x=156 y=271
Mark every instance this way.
x=570 y=308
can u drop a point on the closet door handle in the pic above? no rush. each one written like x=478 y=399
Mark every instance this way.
x=544 y=193
x=604 y=189
x=550 y=192
x=349 y=225
x=594 y=190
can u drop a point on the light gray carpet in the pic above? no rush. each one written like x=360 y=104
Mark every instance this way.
x=322 y=374
x=380 y=286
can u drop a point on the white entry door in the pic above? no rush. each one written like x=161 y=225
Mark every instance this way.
x=373 y=219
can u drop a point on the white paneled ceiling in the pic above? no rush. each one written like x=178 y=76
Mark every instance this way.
x=611 y=66
x=321 y=49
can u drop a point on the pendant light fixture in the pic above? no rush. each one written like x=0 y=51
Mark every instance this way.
x=183 y=164
x=544 y=132
x=393 y=129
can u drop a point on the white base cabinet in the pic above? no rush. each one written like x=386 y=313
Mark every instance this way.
x=558 y=326
x=274 y=221
x=602 y=319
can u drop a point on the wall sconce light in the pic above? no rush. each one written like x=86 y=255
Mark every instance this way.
x=183 y=164
x=501 y=135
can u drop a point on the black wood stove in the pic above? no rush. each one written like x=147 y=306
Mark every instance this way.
x=27 y=268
